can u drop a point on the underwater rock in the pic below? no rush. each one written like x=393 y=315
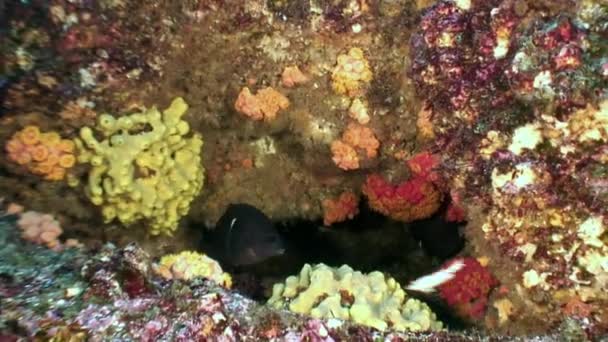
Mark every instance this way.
x=114 y=294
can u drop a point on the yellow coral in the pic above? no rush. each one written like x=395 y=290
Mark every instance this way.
x=145 y=168
x=373 y=300
x=351 y=73
x=189 y=265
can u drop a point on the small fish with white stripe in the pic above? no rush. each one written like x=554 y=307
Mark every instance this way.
x=243 y=236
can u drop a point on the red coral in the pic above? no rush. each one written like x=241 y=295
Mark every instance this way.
x=408 y=201
x=470 y=288
x=424 y=165
x=340 y=209
x=455 y=211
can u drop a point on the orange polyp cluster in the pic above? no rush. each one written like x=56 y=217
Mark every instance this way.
x=340 y=209
x=356 y=137
x=43 y=154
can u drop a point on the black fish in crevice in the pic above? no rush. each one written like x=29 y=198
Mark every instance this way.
x=438 y=237
x=242 y=236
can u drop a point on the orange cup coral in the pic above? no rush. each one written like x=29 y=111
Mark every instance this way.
x=43 y=154
x=264 y=105
x=340 y=209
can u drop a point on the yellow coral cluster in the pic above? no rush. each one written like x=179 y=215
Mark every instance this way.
x=351 y=73
x=189 y=265
x=373 y=300
x=144 y=168
x=43 y=154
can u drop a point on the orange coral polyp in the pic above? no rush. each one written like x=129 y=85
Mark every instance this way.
x=43 y=154
x=56 y=173
x=50 y=139
x=30 y=135
x=40 y=153
x=14 y=146
x=66 y=146
x=67 y=161
x=52 y=159
x=340 y=209
x=344 y=156
x=23 y=158
x=42 y=169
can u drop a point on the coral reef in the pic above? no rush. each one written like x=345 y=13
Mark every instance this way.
x=114 y=294
x=39 y=228
x=263 y=105
x=78 y=111
x=358 y=111
x=143 y=174
x=358 y=143
x=425 y=165
x=558 y=64
x=346 y=206
x=293 y=76
x=43 y=154
x=344 y=155
x=457 y=56
x=470 y=288
x=518 y=106
x=505 y=99
x=351 y=73
x=560 y=246
x=407 y=201
x=373 y=300
x=188 y=265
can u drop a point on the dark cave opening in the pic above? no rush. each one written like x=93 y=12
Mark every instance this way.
x=369 y=242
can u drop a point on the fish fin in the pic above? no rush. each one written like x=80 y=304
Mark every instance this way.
x=228 y=242
x=430 y=282
x=251 y=253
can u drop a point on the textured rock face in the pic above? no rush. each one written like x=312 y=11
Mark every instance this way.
x=114 y=294
x=517 y=102
x=509 y=95
x=311 y=76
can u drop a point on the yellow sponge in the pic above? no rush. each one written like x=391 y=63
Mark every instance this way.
x=143 y=167
x=373 y=300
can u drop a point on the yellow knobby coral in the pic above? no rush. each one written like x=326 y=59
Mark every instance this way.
x=373 y=299
x=189 y=265
x=144 y=168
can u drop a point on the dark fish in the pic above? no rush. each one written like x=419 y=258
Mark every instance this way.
x=243 y=236
x=438 y=238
